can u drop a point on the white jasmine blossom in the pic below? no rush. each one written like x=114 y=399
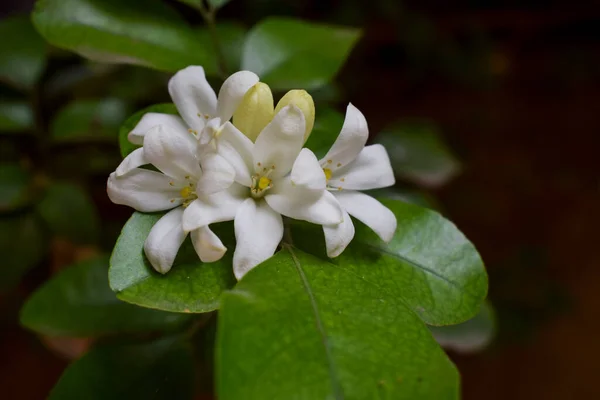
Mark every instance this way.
x=349 y=166
x=267 y=179
x=174 y=153
x=198 y=107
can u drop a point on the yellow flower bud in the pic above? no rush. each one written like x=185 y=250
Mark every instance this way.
x=304 y=101
x=255 y=111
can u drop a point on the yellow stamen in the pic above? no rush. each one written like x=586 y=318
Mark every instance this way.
x=264 y=183
x=186 y=192
x=327 y=173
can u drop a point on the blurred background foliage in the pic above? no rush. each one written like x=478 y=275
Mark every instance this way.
x=489 y=110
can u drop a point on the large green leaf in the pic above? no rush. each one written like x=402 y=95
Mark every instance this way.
x=298 y=327
x=471 y=336
x=190 y=286
x=70 y=212
x=79 y=302
x=418 y=153
x=23 y=244
x=121 y=31
x=89 y=120
x=288 y=53
x=15 y=186
x=160 y=370
x=15 y=117
x=429 y=263
x=125 y=145
x=22 y=52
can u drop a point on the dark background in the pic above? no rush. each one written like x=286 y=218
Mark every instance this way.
x=515 y=89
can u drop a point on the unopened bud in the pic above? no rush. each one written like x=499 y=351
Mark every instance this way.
x=304 y=101
x=255 y=111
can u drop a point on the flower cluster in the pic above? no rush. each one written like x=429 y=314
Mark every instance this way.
x=238 y=157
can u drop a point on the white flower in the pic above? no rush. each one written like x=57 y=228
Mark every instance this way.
x=174 y=153
x=198 y=106
x=272 y=177
x=349 y=166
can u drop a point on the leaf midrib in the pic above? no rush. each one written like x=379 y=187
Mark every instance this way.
x=335 y=382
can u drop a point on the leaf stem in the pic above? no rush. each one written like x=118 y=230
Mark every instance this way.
x=209 y=16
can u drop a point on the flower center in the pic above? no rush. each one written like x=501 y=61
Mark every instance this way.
x=187 y=193
x=261 y=182
x=327 y=173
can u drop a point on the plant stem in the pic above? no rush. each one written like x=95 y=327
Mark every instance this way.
x=208 y=14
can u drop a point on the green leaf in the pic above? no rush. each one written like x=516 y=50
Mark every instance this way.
x=121 y=31
x=300 y=327
x=418 y=153
x=89 y=120
x=288 y=53
x=429 y=263
x=190 y=286
x=79 y=302
x=15 y=182
x=328 y=124
x=16 y=117
x=69 y=212
x=125 y=145
x=471 y=336
x=213 y=3
x=163 y=369
x=231 y=39
x=22 y=52
x=407 y=195
x=23 y=244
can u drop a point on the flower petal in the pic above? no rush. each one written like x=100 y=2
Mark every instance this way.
x=144 y=190
x=301 y=203
x=208 y=246
x=258 y=231
x=232 y=92
x=370 y=170
x=164 y=240
x=350 y=142
x=307 y=172
x=133 y=160
x=370 y=212
x=217 y=174
x=280 y=142
x=171 y=152
x=236 y=148
x=193 y=95
x=150 y=120
x=337 y=237
x=216 y=207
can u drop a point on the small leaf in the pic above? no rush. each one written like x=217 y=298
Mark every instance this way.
x=16 y=187
x=23 y=244
x=468 y=337
x=69 y=212
x=89 y=120
x=121 y=31
x=328 y=124
x=288 y=53
x=412 y=196
x=418 y=153
x=22 y=52
x=125 y=145
x=15 y=117
x=429 y=263
x=79 y=302
x=190 y=286
x=163 y=369
x=300 y=327
x=231 y=39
